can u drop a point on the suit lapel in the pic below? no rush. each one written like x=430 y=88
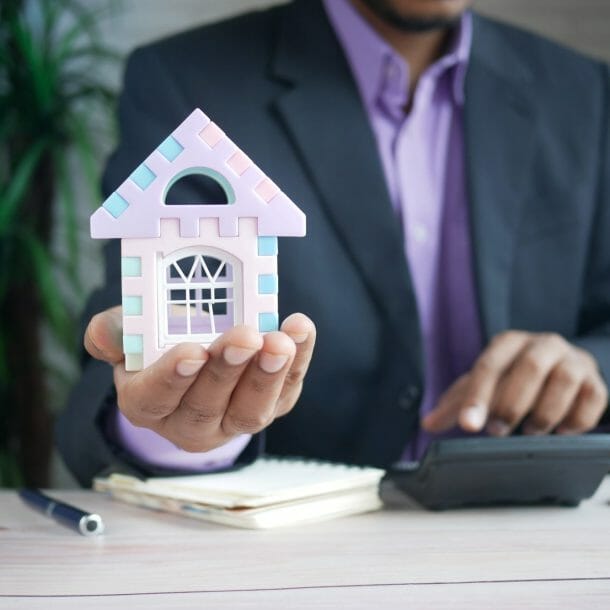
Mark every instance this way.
x=328 y=126
x=499 y=139
x=322 y=101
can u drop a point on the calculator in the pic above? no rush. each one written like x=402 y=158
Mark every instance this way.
x=515 y=470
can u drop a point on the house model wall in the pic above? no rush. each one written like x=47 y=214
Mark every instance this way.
x=190 y=272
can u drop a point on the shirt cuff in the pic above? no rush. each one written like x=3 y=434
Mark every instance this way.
x=154 y=450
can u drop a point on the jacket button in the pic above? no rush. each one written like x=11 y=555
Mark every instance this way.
x=409 y=397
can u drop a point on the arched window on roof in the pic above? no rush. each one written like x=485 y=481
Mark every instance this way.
x=199 y=186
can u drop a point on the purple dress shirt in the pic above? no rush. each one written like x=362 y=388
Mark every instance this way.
x=153 y=449
x=422 y=154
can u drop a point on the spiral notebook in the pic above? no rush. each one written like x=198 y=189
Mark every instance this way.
x=271 y=492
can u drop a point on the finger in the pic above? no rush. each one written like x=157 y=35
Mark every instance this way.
x=104 y=335
x=199 y=415
x=445 y=415
x=145 y=397
x=556 y=397
x=587 y=409
x=254 y=401
x=303 y=332
x=485 y=375
x=524 y=380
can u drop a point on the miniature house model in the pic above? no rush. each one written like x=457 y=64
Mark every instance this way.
x=190 y=272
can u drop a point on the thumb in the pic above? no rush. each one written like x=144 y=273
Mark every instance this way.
x=104 y=335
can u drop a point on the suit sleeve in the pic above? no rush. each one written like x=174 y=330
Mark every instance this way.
x=149 y=108
x=594 y=333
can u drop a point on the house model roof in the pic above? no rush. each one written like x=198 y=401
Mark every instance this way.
x=197 y=145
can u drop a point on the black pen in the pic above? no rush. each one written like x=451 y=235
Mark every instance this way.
x=83 y=522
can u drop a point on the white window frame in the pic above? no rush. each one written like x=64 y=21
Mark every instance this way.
x=163 y=287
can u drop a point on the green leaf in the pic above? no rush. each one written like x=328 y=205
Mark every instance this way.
x=32 y=59
x=86 y=25
x=13 y=194
x=7 y=269
x=85 y=148
x=50 y=295
x=90 y=90
x=65 y=46
x=51 y=14
x=4 y=363
x=50 y=55
x=68 y=205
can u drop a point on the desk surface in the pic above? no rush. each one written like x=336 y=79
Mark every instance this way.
x=395 y=557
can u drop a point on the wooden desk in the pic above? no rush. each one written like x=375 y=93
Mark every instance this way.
x=399 y=557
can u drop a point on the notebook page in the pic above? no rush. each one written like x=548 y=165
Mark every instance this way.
x=266 y=481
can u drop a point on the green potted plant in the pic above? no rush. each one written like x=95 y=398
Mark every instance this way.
x=50 y=92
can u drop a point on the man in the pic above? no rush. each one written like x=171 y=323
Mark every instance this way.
x=455 y=174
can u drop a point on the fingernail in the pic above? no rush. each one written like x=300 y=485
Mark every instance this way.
x=474 y=417
x=497 y=427
x=298 y=337
x=187 y=368
x=566 y=431
x=234 y=355
x=272 y=363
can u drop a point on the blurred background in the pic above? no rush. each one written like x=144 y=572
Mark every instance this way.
x=61 y=63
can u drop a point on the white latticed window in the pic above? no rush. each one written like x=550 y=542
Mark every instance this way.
x=199 y=295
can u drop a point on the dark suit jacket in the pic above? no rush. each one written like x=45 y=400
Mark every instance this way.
x=538 y=164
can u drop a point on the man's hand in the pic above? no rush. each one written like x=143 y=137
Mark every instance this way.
x=199 y=399
x=538 y=379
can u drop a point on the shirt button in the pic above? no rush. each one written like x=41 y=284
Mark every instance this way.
x=409 y=398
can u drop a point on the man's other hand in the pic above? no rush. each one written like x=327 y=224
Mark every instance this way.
x=200 y=398
x=538 y=380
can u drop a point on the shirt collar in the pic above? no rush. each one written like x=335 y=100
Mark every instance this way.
x=380 y=72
